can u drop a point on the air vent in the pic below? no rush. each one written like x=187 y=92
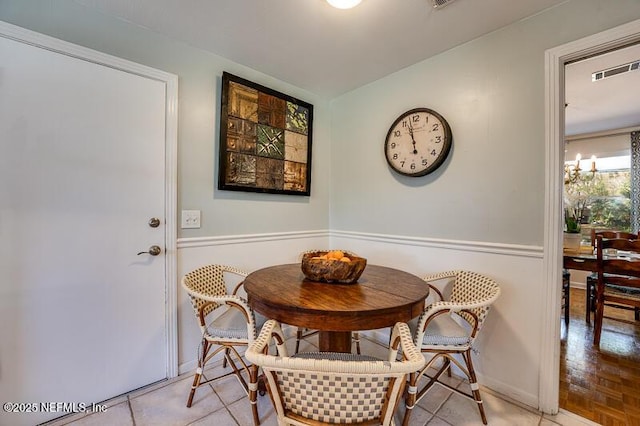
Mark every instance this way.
x=439 y=4
x=620 y=69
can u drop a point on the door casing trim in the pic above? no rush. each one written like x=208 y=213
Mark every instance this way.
x=555 y=60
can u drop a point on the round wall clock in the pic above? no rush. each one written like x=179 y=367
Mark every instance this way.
x=418 y=142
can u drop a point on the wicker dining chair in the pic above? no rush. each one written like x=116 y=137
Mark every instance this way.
x=449 y=327
x=304 y=333
x=329 y=388
x=235 y=327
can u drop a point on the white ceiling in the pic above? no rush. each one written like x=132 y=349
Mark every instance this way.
x=314 y=46
x=611 y=103
x=328 y=51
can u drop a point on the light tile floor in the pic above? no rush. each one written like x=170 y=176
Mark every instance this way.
x=223 y=403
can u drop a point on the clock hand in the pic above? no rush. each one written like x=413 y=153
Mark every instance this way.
x=415 y=151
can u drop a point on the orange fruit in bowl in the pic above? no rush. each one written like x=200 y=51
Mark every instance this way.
x=335 y=254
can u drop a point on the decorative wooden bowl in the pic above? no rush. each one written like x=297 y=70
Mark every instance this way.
x=332 y=270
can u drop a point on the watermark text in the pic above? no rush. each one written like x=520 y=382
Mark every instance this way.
x=53 y=407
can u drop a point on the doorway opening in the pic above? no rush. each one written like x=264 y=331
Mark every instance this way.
x=555 y=61
x=597 y=383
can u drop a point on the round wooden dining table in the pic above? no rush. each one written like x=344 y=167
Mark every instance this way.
x=381 y=297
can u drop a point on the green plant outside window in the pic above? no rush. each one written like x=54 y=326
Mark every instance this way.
x=603 y=201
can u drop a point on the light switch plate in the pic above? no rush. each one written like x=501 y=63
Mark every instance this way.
x=190 y=219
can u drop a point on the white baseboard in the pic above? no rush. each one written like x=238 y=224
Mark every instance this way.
x=509 y=391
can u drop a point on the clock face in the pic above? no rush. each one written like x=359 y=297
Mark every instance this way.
x=418 y=142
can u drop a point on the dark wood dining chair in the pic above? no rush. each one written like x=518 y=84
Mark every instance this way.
x=592 y=278
x=566 y=293
x=618 y=278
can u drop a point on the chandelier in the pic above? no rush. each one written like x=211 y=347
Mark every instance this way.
x=573 y=173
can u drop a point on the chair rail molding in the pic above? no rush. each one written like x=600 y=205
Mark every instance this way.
x=555 y=60
x=248 y=238
x=474 y=246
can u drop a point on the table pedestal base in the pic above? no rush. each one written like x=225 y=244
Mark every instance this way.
x=335 y=341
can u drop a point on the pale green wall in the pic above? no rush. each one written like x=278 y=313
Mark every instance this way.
x=199 y=72
x=491 y=91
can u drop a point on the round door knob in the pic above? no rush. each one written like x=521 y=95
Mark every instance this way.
x=153 y=251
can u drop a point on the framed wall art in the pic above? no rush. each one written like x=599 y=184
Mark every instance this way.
x=265 y=139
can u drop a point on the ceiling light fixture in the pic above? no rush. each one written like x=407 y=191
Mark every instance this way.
x=438 y=4
x=573 y=172
x=344 y=4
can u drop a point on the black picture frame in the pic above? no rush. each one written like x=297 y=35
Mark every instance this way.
x=265 y=139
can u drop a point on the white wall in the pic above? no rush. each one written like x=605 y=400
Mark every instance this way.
x=506 y=336
x=249 y=253
x=508 y=346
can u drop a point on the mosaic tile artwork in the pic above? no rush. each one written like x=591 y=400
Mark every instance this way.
x=265 y=139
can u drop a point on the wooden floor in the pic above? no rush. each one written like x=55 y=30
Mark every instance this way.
x=603 y=384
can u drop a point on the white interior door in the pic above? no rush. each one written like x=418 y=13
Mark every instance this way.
x=82 y=171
